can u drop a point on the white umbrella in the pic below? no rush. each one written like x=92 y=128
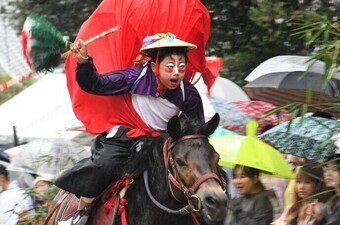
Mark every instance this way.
x=286 y=63
x=42 y=110
x=223 y=89
x=285 y=79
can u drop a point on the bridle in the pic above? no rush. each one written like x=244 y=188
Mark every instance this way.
x=194 y=203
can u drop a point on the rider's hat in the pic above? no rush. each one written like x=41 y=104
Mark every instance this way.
x=162 y=40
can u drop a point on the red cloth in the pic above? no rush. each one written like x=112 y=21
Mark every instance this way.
x=188 y=20
x=214 y=65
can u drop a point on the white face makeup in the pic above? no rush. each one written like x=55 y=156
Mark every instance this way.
x=171 y=71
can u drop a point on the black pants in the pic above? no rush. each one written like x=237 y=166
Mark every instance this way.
x=91 y=176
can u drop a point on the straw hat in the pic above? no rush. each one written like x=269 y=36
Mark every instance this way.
x=167 y=40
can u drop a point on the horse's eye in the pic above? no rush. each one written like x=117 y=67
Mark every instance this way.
x=181 y=163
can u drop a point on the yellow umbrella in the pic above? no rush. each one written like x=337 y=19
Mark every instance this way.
x=249 y=151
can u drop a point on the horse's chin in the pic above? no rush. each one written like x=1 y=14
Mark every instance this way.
x=214 y=218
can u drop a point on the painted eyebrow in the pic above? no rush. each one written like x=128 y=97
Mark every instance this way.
x=180 y=58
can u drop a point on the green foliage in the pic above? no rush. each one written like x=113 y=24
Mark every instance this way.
x=245 y=33
x=322 y=35
x=248 y=32
x=41 y=203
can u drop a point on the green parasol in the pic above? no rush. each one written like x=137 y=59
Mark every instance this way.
x=44 y=46
x=249 y=151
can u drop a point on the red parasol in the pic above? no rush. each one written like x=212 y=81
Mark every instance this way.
x=188 y=20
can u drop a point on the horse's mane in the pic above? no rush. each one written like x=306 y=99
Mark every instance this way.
x=150 y=155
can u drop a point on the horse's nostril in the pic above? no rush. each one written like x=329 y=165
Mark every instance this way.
x=214 y=202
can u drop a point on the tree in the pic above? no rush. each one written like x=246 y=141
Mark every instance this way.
x=246 y=33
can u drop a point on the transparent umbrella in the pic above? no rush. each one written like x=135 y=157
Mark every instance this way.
x=47 y=157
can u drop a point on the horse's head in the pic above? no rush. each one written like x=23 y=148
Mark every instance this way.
x=193 y=171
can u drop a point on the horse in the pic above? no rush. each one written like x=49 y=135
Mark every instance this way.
x=172 y=179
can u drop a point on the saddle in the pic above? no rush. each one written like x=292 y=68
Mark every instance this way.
x=103 y=210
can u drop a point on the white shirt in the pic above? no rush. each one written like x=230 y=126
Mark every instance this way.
x=13 y=200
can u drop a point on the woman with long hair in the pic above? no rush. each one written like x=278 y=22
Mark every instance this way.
x=308 y=189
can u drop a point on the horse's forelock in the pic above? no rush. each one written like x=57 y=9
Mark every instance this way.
x=188 y=126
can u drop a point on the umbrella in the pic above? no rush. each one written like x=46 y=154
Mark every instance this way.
x=285 y=79
x=47 y=157
x=249 y=151
x=286 y=63
x=220 y=131
x=308 y=137
x=222 y=89
x=4 y=156
x=234 y=116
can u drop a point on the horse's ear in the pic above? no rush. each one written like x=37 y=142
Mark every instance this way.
x=209 y=127
x=174 y=127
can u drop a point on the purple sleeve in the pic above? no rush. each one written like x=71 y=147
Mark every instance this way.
x=111 y=83
x=193 y=106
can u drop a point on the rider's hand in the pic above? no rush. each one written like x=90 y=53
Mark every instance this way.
x=79 y=51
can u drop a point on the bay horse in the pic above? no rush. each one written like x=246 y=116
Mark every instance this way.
x=173 y=179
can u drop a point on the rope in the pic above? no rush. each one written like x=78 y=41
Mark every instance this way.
x=122 y=211
x=114 y=191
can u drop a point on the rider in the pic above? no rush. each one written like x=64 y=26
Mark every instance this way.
x=152 y=92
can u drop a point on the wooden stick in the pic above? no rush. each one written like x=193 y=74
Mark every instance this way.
x=102 y=34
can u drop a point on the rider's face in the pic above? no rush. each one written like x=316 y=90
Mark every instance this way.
x=171 y=71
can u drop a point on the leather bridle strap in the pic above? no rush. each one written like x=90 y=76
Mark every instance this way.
x=167 y=148
x=183 y=211
x=203 y=178
x=172 y=178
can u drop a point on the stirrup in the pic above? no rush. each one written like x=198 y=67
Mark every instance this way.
x=80 y=217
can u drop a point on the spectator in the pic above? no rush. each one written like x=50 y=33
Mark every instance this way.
x=274 y=188
x=43 y=194
x=253 y=206
x=330 y=215
x=15 y=204
x=44 y=191
x=308 y=183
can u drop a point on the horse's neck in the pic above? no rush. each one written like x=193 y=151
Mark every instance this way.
x=141 y=210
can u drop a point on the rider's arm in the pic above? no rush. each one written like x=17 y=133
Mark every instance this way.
x=111 y=83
